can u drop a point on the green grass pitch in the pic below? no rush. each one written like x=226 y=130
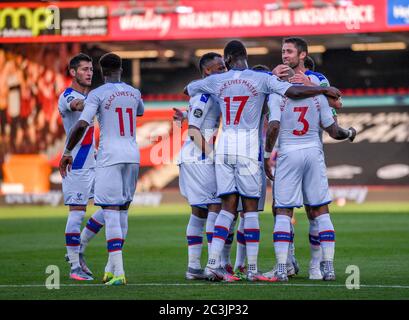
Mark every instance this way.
x=374 y=237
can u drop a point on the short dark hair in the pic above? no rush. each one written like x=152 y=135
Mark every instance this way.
x=75 y=61
x=236 y=49
x=309 y=63
x=299 y=43
x=260 y=67
x=110 y=62
x=207 y=57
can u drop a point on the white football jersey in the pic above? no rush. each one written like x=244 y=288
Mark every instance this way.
x=300 y=121
x=317 y=78
x=116 y=106
x=240 y=94
x=83 y=152
x=203 y=113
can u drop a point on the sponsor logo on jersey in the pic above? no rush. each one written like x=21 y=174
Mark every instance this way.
x=67 y=92
x=204 y=98
x=198 y=113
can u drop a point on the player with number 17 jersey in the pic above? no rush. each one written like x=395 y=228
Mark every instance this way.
x=241 y=95
x=116 y=106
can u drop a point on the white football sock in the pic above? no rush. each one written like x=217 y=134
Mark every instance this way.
x=252 y=237
x=291 y=246
x=241 y=246
x=123 y=216
x=114 y=238
x=211 y=219
x=225 y=255
x=194 y=235
x=94 y=224
x=327 y=236
x=315 y=246
x=73 y=236
x=282 y=237
x=221 y=232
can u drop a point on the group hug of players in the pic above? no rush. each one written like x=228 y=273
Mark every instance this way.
x=229 y=180
x=219 y=183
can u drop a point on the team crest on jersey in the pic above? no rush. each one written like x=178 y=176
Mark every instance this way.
x=79 y=196
x=198 y=113
x=204 y=98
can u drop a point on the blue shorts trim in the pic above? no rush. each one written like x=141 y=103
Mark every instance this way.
x=75 y=204
x=109 y=205
x=287 y=207
x=204 y=204
x=227 y=193
x=250 y=197
x=318 y=205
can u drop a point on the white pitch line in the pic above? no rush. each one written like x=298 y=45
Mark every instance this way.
x=210 y=284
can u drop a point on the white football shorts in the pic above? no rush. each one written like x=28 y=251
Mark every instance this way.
x=301 y=178
x=237 y=174
x=197 y=183
x=115 y=185
x=262 y=200
x=78 y=187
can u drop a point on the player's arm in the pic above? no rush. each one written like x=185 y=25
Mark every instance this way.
x=199 y=140
x=76 y=134
x=77 y=105
x=331 y=126
x=338 y=133
x=90 y=110
x=179 y=115
x=273 y=130
x=141 y=109
x=301 y=77
x=196 y=117
x=205 y=85
x=284 y=88
x=271 y=137
x=301 y=92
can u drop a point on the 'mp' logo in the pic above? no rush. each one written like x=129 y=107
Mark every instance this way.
x=36 y=20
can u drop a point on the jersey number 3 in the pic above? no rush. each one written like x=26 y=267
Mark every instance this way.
x=301 y=118
x=129 y=111
x=242 y=100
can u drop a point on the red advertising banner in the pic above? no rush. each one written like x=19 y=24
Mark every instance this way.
x=259 y=18
x=195 y=19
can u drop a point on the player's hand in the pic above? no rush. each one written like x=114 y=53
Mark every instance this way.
x=267 y=169
x=77 y=104
x=281 y=70
x=332 y=92
x=300 y=77
x=335 y=103
x=178 y=115
x=65 y=165
x=352 y=137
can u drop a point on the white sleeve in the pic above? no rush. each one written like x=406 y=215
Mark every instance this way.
x=205 y=85
x=276 y=85
x=318 y=79
x=91 y=105
x=326 y=115
x=274 y=111
x=197 y=105
x=64 y=102
x=141 y=108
